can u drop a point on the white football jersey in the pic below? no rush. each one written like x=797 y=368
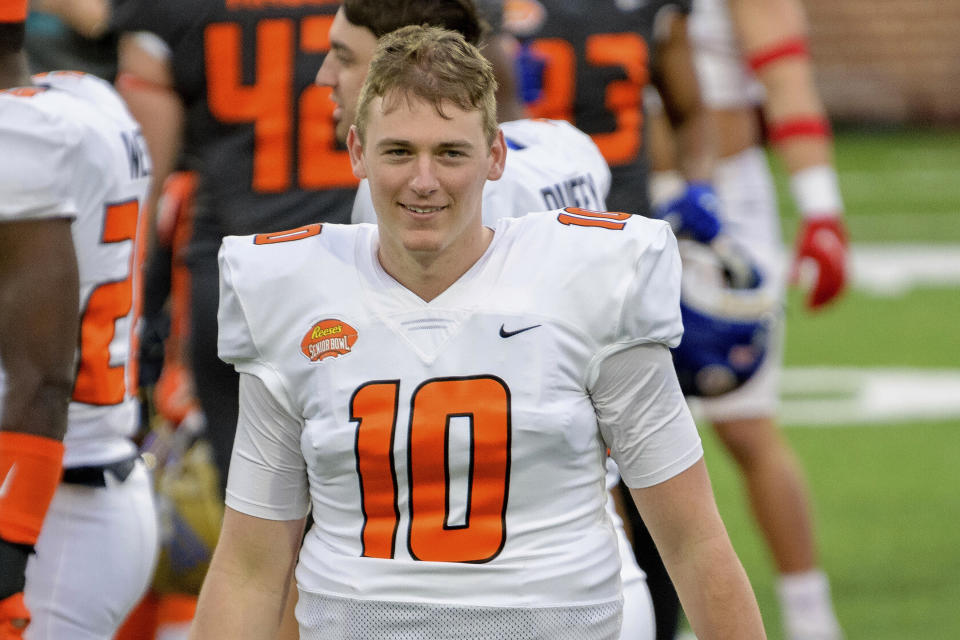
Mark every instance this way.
x=550 y=165
x=452 y=450
x=70 y=148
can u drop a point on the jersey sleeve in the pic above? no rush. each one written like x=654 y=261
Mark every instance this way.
x=643 y=416
x=234 y=339
x=38 y=164
x=651 y=306
x=268 y=473
x=236 y=344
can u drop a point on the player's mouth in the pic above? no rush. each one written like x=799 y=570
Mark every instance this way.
x=422 y=210
x=337 y=108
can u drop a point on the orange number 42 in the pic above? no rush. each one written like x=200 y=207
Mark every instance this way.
x=269 y=103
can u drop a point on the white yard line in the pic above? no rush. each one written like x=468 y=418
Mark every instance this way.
x=835 y=396
x=892 y=269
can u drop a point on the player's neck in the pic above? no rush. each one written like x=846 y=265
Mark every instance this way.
x=14 y=71
x=428 y=274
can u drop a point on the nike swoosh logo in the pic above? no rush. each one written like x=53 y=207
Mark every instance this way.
x=5 y=487
x=507 y=334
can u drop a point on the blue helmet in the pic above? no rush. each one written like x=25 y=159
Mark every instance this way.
x=727 y=317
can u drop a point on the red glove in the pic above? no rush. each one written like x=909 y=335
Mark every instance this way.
x=822 y=241
x=14 y=617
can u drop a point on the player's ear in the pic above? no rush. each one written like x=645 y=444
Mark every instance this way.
x=355 y=148
x=498 y=156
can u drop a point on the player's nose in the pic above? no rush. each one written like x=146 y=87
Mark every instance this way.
x=325 y=75
x=424 y=179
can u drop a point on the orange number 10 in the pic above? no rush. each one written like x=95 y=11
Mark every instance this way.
x=485 y=402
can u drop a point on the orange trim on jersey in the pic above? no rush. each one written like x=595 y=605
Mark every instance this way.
x=30 y=470
x=13 y=11
x=798 y=127
x=24 y=92
x=288 y=235
x=785 y=49
x=176 y=608
x=587 y=218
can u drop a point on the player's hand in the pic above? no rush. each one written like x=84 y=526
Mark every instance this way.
x=695 y=214
x=14 y=617
x=821 y=259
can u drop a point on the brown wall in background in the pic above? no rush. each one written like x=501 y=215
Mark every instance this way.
x=887 y=61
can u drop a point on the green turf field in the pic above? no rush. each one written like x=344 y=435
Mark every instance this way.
x=886 y=495
x=899 y=186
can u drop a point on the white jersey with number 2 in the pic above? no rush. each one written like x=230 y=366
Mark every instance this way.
x=71 y=149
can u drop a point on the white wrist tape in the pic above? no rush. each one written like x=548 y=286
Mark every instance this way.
x=665 y=186
x=816 y=192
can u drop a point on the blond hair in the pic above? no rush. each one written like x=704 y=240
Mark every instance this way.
x=435 y=65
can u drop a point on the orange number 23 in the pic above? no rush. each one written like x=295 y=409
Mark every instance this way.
x=485 y=402
x=622 y=98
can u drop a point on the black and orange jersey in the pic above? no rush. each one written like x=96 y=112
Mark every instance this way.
x=259 y=133
x=597 y=59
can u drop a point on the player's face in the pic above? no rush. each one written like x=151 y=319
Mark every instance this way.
x=345 y=68
x=426 y=175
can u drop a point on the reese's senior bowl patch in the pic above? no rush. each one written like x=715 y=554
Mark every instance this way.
x=330 y=337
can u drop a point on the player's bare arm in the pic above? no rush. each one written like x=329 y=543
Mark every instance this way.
x=675 y=78
x=39 y=294
x=713 y=587
x=774 y=40
x=248 y=584
x=38 y=324
x=145 y=81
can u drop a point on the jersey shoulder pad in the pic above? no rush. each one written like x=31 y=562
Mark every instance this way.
x=96 y=92
x=40 y=152
x=619 y=273
x=261 y=273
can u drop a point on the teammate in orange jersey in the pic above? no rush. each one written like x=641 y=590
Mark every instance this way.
x=227 y=85
x=752 y=55
x=451 y=437
x=71 y=151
